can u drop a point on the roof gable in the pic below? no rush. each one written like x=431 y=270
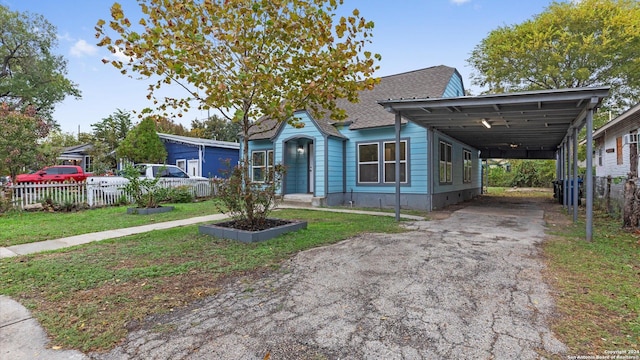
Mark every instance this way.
x=431 y=82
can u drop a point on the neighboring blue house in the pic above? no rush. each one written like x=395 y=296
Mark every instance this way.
x=352 y=162
x=200 y=157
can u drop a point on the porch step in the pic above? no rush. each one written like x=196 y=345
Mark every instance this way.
x=306 y=200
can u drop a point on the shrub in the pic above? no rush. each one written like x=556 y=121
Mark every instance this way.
x=181 y=194
x=145 y=192
x=249 y=203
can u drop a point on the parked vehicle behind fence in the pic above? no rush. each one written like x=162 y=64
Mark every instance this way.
x=110 y=188
x=57 y=173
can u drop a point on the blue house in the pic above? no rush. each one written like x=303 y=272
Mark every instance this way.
x=353 y=162
x=200 y=157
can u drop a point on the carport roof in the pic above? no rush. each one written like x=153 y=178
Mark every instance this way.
x=524 y=125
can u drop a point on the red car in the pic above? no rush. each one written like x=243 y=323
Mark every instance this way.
x=58 y=173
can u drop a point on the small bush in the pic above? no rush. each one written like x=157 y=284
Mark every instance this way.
x=181 y=194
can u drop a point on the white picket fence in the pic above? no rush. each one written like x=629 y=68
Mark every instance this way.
x=96 y=193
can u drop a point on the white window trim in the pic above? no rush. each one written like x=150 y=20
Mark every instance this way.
x=448 y=163
x=384 y=162
x=184 y=161
x=377 y=162
x=268 y=165
x=467 y=166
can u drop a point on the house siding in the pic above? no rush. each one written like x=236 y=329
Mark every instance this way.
x=451 y=193
x=455 y=87
x=611 y=176
x=610 y=166
x=213 y=159
x=336 y=166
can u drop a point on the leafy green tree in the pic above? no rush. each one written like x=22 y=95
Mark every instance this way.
x=168 y=126
x=142 y=144
x=61 y=139
x=215 y=127
x=30 y=74
x=255 y=62
x=570 y=44
x=111 y=130
x=21 y=132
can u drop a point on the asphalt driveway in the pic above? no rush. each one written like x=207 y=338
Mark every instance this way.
x=466 y=287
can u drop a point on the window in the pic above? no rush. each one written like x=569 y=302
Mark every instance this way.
x=445 y=163
x=261 y=165
x=182 y=164
x=599 y=156
x=390 y=162
x=466 y=166
x=368 y=163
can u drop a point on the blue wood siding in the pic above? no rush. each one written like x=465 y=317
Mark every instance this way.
x=213 y=158
x=457 y=166
x=417 y=164
x=455 y=87
x=336 y=166
x=180 y=151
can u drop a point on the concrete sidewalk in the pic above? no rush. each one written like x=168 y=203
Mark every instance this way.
x=22 y=337
x=47 y=245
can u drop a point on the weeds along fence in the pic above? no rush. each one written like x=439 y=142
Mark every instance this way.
x=96 y=193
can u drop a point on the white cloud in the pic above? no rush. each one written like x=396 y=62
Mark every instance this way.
x=65 y=37
x=459 y=2
x=82 y=48
x=120 y=56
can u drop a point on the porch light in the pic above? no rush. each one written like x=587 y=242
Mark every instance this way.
x=486 y=123
x=300 y=149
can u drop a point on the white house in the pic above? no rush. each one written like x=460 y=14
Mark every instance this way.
x=616 y=143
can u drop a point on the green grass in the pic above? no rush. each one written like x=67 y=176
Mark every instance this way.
x=26 y=227
x=597 y=286
x=85 y=296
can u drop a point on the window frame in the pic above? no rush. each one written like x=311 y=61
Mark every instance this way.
x=445 y=177
x=467 y=166
x=377 y=162
x=268 y=159
x=405 y=162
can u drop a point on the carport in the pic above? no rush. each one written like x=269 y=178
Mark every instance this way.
x=526 y=125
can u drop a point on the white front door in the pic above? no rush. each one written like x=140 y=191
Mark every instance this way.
x=310 y=159
x=193 y=168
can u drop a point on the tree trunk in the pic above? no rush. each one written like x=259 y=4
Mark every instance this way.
x=635 y=215
x=632 y=192
x=628 y=218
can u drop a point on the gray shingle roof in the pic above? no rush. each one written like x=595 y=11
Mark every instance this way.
x=429 y=82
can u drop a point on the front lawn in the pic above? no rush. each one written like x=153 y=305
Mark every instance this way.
x=86 y=296
x=597 y=287
x=19 y=227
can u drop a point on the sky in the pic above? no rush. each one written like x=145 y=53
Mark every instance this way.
x=408 y=34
